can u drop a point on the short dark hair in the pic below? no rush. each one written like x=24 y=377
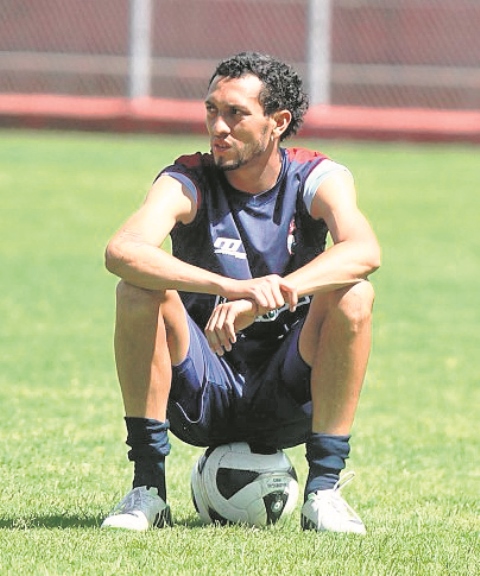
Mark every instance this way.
x=283 y=87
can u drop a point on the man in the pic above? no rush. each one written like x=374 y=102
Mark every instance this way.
x=250 y=330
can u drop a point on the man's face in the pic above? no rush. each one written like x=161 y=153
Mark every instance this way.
x=238 y=127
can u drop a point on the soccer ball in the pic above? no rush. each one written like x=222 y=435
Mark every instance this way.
x=233 y=484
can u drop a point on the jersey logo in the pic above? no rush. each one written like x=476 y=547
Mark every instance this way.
x=274 y=314
x=229 y=247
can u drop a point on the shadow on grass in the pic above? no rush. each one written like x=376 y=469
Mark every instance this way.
x=54 y=521
x=66 y=521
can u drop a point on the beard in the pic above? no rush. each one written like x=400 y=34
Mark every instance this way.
x=228 y=165
x=241 y=157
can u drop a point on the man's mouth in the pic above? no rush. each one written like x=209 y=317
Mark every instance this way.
x=220 y=146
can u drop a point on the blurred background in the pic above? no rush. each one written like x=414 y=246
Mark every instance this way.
x=394 y=54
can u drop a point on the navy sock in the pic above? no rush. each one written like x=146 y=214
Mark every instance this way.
x=326 y=455
x=148 y=439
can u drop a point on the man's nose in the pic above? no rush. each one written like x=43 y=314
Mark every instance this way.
x=218 y=126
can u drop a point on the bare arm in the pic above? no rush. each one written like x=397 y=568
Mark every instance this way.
x=355 y=253
x=135 y=254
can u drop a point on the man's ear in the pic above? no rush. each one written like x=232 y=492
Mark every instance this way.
x=282 y=119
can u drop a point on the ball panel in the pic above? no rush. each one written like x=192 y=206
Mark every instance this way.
x=230 y=481
x=274 y=505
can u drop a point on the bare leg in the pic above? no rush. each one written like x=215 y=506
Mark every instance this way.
x=151 y=334
x=335 y=342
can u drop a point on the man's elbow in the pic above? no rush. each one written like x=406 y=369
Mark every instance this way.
x=113 y=258
x=375 y=258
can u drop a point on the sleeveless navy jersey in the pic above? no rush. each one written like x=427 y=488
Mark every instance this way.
x=244 y=236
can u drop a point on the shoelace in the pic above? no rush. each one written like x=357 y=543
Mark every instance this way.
x=335 y=498
x=337 y=501
x=344 y=480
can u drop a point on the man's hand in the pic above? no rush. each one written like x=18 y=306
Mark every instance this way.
x=227 y=319
x=268 y=292
x=246 y=300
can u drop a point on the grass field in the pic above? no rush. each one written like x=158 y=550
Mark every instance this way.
x=62 y=454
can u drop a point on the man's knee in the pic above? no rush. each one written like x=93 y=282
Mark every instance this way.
x=135 y=301
x=354 y=305
x=137 y=305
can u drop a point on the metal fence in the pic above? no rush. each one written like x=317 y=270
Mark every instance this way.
x=374 y=53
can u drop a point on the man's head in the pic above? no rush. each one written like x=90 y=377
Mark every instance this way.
x=282 y=87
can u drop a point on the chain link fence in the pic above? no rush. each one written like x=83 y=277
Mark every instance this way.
x=374 y=53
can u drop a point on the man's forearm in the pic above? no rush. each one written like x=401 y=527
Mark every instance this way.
x=342 y=265
x=153 y=268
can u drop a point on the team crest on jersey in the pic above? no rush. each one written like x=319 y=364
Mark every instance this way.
x=229 y=247
x=291 y=242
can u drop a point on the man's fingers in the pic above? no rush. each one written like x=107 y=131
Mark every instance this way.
x=267 y=292
x=220 y=331
x=291 y=297
x=274 y=292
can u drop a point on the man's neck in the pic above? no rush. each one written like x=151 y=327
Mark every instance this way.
x=257 y=177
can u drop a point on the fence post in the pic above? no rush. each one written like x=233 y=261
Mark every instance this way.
x=318 y=51
x=140 y=48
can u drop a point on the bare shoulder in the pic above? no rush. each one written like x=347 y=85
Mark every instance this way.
x=335 y=202
x=335 y=193
x=168 y=195
x=166 y=204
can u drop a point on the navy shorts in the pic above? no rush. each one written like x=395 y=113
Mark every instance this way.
x=212 y=403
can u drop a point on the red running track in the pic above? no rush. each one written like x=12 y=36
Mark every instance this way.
x=181 y=116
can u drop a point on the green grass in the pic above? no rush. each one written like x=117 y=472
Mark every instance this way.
x=62 y=456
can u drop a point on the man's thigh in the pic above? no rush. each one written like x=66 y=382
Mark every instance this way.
x=211 y=403
x=202 y=398
x=277 y=401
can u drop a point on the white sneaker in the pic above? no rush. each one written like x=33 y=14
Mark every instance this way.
x=140 y=510
x=326 y=510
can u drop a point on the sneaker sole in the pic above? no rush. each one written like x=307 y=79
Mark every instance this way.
x=162 y=520
x=308 y=524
